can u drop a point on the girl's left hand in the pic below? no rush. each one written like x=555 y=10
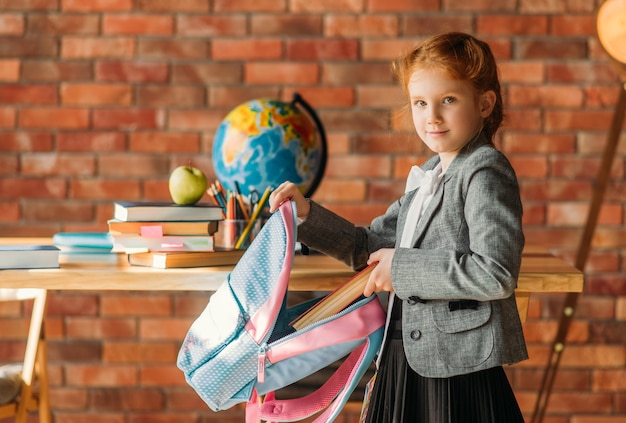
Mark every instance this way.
x=380 y=278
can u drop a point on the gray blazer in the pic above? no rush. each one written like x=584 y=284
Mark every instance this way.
x=467 y=246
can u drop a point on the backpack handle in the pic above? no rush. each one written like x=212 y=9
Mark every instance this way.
x=331 y=396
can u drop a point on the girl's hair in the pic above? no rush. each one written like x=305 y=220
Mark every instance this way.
x=463 y=57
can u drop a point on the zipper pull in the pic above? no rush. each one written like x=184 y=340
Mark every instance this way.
x=261 y=366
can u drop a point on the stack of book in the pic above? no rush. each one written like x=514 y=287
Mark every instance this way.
x=164 y=235
x=86 y=248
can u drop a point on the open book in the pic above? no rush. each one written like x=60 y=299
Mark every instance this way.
x=337 y=300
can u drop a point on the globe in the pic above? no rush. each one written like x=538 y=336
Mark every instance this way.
x=262 y=143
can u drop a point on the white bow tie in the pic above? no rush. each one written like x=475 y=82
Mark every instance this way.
x=419 y=179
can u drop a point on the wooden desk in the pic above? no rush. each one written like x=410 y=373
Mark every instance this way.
x=540 y=272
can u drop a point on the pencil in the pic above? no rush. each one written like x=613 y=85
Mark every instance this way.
x=246 y=231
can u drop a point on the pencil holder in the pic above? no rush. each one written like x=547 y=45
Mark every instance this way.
x=236 y=233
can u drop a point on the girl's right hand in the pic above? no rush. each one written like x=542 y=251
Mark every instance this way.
x=289 y=191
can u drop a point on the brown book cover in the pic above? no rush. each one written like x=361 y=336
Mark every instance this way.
x=166 y=260
x=336 y=301
x=167 y=228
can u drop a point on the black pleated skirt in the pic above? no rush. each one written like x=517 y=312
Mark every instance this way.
x=400 y=395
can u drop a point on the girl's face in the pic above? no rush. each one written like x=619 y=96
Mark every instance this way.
x=447 y=113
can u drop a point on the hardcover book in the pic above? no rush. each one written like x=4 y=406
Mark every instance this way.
x=167 y=260
x=164 y=212
x=344 y=295
x=206 y=227
x=25 y=256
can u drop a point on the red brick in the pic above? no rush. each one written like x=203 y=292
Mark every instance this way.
x=581 y=167
x=131 y=71
x=29 y=5
x=91 y=141
x=170 y=96
x=285 y=25
x=573 y=25
x=96 y=94
x=319 y=97
x=161 y=376
x=102 y=376
x=358 y=166
x=7 y=117
x=98 y=328
x=28 y=94
x=32 y=188
x=178 y=7
x=556 y=121
x=540 y=6
x=96 y=189
x=163 y=329
x=550 y=48
x=331 y=49
x=424 y=25
x=159 y=142
x=67 y=118
x=140 y=399
x=25 y=141
x=579 y=71
x=48 y=71
x=96 y=5
x=228 y=97
x=136 y=165
x=521 y=71
x=140 y=353
x=235 y=49
x=341 y=190
x=9 y=164
x=71 y=165
x=249 y=6
x=51 y=24
x=530 y=166
x=9 y=70
x=90 y=417
x=195 y=120
x=137 y=24
x=480 y=5
x=402 y=6
x=512 y=25
x=210 y=25
x=384 y=50
x=281 y=72
x=211 y=73
x=172 y=48
x=11 y=24
x=356 y=73
x=93 y=47
x=125 y=305
x=49 y=211
x=128 y=119
x=300 y=6
x=568 y=96
x=28 y=47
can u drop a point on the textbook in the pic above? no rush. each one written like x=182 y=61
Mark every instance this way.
x=164 y=212
x=132 y=243
x=344 y=295
x=203 y=227
x=165 y=260
x=25 y=256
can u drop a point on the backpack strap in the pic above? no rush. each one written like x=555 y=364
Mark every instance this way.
x=330 y=397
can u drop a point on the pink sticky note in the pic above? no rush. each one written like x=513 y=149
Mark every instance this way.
x=151 y=231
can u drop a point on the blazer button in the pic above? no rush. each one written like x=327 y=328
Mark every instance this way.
x=416 y=334
x=413 y=300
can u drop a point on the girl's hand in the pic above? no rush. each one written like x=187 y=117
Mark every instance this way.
x=380 y=278
x=289 y=191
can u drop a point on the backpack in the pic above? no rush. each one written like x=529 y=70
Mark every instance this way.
x=242 y=346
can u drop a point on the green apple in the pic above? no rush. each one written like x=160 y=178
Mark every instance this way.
x=187 y=185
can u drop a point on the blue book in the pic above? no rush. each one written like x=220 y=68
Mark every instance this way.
x=25 y=256
x=83 y=241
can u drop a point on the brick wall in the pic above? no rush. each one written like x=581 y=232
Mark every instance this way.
x=101 y=99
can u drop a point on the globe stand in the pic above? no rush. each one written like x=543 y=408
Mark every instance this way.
x=297 y=99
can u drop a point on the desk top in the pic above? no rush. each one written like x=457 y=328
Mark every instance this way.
x=540 y=272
